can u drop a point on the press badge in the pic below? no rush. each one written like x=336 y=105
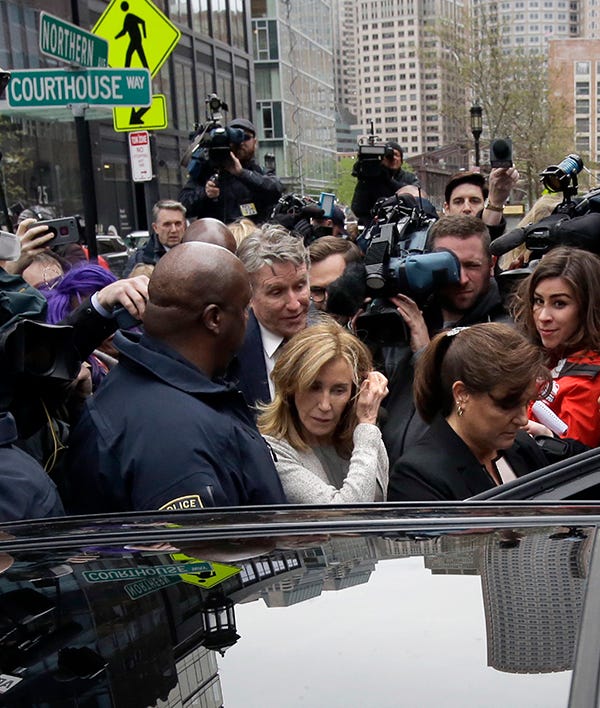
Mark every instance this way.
x=248 y=209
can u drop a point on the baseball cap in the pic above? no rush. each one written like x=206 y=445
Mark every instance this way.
x=243 y=124
x=395 y=146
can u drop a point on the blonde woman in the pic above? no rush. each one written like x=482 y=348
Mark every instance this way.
x=322 y=422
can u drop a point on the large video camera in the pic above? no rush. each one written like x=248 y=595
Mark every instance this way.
x=397 y=261
x=371 y=150
x=211 y=142
x=294 y=211
x=573 y=222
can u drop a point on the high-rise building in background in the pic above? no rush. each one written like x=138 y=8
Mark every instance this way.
x=345 y=73
x=400 y=93
x=530 y=24
x=575 y=80
x=293 y=64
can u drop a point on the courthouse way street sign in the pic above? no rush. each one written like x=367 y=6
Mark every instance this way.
x=43 y=88
x=62 y=40
x=138 y=33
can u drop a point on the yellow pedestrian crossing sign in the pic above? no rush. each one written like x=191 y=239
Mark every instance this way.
x=153 y=117
x=138 y=34
x=218 y=573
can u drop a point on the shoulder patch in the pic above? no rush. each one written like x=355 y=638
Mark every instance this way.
x=191 y=501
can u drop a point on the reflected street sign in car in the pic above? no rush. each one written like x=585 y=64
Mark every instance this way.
x=479 y=604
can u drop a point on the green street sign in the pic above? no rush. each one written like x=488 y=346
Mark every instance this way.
x=44 y=88
x=67 y=42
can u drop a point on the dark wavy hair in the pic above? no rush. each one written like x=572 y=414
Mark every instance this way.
x=581 y=270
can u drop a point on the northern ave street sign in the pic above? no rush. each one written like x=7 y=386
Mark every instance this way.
x=67 y=42
x=44 y=88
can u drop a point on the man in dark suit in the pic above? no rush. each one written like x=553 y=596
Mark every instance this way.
x=277 y=263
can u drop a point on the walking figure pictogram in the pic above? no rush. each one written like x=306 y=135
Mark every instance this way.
x=135 y=27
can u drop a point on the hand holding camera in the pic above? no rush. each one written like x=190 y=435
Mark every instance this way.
x=35 y=239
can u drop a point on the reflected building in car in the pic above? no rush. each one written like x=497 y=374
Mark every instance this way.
x=528 y=604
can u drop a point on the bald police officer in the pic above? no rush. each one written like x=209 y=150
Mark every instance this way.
x=163 y=432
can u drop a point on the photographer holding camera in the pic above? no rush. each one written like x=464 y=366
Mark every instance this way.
x=384 y=181
x=225 y=181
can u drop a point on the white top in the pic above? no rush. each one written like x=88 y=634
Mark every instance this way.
x=306 y=481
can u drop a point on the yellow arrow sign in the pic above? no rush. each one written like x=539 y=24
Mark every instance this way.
x=138 y=34
x=220 y=572
x=154 y=117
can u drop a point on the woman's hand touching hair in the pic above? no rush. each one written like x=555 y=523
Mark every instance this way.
x=372 y=391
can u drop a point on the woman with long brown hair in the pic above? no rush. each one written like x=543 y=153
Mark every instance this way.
x=558 y=309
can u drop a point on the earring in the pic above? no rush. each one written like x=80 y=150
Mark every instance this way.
x=459 y=409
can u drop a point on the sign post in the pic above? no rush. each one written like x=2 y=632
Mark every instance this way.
x=139 y=35
x=70 y=43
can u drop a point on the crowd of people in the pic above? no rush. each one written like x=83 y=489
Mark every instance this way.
x=220 y=373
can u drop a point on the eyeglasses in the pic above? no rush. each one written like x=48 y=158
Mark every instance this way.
x=318 y=294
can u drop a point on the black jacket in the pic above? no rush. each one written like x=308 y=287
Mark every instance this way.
x=247 y=370
x=26 y=490
x=159 y=434
x=441 y=467
x=404 y=425
x=367 y=192
x=251 y=187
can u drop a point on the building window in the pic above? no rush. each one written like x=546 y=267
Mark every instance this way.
x=265 y=40
x=582 y=125
x=271 y=119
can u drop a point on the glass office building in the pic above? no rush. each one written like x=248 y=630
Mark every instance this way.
x=40 y=156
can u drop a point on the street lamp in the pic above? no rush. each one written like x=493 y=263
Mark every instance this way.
x=219 y=623
x=476 y=127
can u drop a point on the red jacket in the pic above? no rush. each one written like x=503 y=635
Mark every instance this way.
x=574 y=396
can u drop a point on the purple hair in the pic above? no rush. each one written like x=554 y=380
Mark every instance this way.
x=77 y=284
x=80 y=282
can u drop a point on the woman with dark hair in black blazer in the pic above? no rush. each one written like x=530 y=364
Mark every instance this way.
x=473 y=386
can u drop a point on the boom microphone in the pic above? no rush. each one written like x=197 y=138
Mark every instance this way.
x=505 y=243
